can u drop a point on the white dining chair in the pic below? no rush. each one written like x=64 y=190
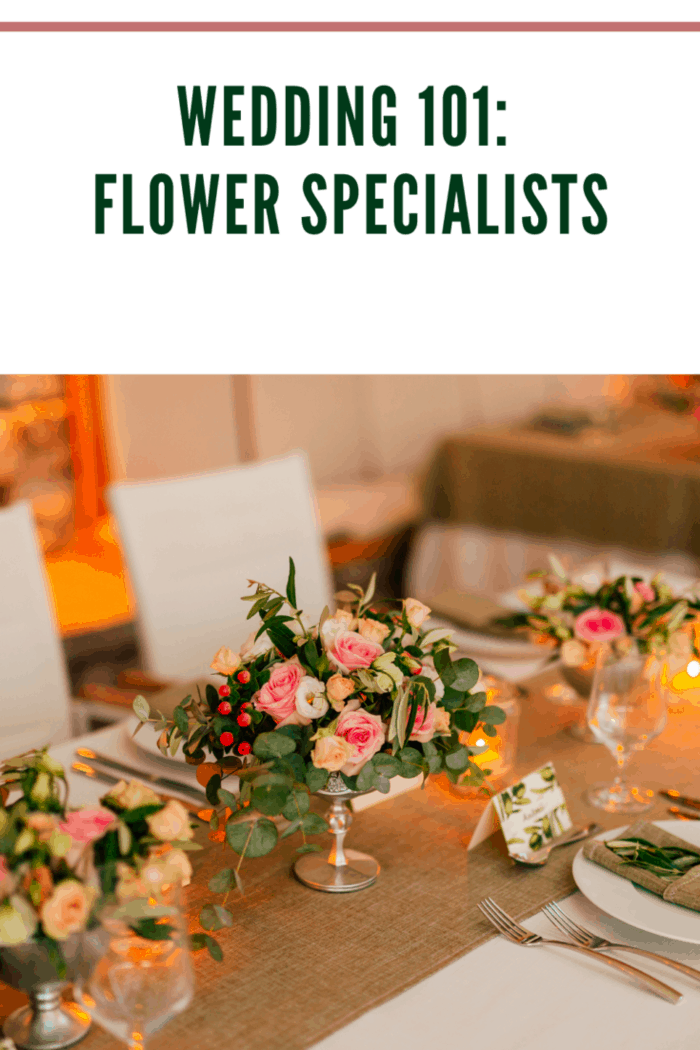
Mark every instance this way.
x=191 y=544
x=35 y=704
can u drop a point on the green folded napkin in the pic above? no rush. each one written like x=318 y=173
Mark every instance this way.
x=683 y=889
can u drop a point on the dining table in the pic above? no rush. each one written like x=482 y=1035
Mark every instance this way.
x=410 y=962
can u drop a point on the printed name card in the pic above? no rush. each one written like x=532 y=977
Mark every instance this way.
x=531 y=813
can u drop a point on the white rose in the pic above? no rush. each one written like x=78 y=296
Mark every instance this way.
x=333 y=627
x=133 y=795
x=311 y=699
x=573 y=653
x=434 y=677
x=251 y=648
x=170 y=823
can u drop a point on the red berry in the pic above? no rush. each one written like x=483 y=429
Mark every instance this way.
x=226 y=739
x=248 y=703
x=244 y=719
x=224 y=690
x=224 y=708
x=244 y=748
x=243 y=677
x=416 y=670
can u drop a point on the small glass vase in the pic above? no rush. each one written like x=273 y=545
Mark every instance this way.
x=337 y=870
x=48 y=1022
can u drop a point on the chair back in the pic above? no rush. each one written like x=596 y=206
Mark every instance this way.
x=191 y=545
x=34 y=694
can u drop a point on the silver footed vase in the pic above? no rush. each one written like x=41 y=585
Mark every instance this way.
x=48 y=1022
x=337 y=870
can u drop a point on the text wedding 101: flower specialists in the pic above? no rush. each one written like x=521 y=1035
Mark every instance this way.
x=443 y=205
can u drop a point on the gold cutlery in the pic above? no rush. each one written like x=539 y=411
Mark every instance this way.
x=681 y=815
x=583 y=936
x=97 y=774
x=510 y=929
x=151 y=778
x=684 y=800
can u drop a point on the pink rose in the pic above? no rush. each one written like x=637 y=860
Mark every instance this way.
x=645 y=591
x=598 y=625
x=278 y=696
x=424 y=725
x=365 y=732
x=86 y=825
x=350 y=650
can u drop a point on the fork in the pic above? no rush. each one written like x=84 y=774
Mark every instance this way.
x=510 y=929
x=583 y=936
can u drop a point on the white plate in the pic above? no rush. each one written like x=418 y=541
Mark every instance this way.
x=146 y=740
x=636 y=906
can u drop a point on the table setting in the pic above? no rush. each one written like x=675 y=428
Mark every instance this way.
x=342 y=845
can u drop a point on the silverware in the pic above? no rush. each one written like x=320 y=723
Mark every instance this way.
x=676 y=812
x=151 y=778
x=97 y=774
x=583 y=936
x=539 y=858
x=510 y=929
x=684 y=800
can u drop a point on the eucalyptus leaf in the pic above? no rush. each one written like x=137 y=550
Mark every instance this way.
x=141 y=708
x=252 y=840
x=222 y=881
x=494 y=716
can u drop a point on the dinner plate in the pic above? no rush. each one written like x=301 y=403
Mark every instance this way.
x=632 y=904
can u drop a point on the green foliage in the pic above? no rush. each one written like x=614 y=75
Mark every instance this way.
x=212 y=789
x=297 y=804
x=494 y=716
x=223 y=881
x=203 y=940
x=252 y=839
x=181 y=720
x=152 y=930
x=316 y=778
x=313 y=824
x=273 y=745
x=215 y=917
x=291 y=584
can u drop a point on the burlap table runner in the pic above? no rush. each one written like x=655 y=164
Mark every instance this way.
x=299 y=964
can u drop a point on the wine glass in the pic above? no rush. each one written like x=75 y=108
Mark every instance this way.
x=626 y=710
x=139 y=972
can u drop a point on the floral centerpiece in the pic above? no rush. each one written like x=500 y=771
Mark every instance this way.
x=56 y=864
x=367 y=694
x=59 y=867
x=575 y=614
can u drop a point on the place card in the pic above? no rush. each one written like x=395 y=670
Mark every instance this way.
x=530 y=814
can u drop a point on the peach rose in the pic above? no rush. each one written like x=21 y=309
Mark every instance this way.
x=347 y=618
x=573 y=653
x=598 y=625
x=225 y=661
x=86 y=825
x=133 y=795
x=424 y=725
x=67 y=909
x=170 y=823
x=373 y=630
x=43 y=879
x=350 y=651
x=332 y=753
x=443 y=725
x=42 y=824
x=129 y=883
x=365 y=732
x=338 y=689
x=278 y=696
x=415 y=611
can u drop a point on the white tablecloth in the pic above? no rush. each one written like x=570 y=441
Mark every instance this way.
x=501 y=996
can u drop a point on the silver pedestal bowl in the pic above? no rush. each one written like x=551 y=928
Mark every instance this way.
x=337 y=870
x=47 y=1022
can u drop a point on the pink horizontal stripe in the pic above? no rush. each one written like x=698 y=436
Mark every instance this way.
x=349 y=27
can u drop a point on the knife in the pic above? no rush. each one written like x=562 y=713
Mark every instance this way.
x=152 y=778
x=681 y=815
x=96 y=774
x=683 y=800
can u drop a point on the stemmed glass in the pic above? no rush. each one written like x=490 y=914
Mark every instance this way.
x=626 y=710
x=135 y=984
